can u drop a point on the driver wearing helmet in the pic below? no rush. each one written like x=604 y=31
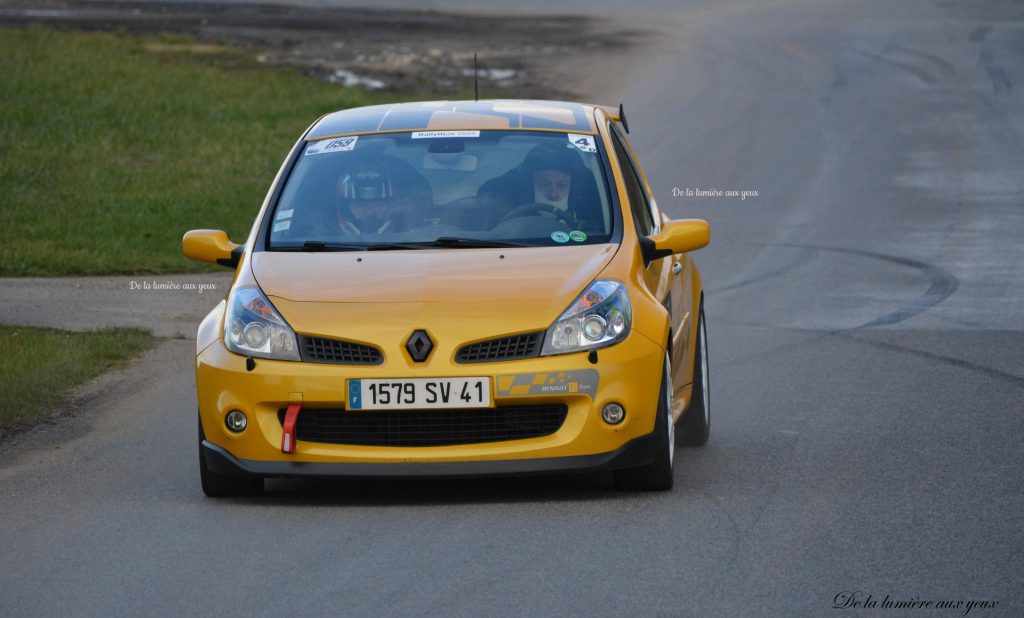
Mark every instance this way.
x=367 y=200
x=554 y=179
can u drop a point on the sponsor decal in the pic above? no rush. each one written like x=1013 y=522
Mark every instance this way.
x=435 y=134
x=579 y=382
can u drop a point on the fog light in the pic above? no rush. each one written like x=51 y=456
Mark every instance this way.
x=236 y=421
x=613 y=413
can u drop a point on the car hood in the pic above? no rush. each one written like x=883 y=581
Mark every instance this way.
x=548 y=274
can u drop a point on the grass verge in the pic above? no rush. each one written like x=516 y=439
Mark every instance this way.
x=115 y=145
x=39 y=365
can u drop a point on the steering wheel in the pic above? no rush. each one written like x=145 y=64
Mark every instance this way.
x=528 y=210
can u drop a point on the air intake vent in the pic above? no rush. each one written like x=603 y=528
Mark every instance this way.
x=427 y=427
x=513 y=347
x=336 y=351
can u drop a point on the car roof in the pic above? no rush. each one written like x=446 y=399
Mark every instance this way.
x=441 y=115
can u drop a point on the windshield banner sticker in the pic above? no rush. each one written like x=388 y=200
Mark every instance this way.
x=582 y=381
x=433 y=134
x=583 y=142
x=338 y=144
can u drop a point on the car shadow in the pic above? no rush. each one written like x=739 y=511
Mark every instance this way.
x=429 y=492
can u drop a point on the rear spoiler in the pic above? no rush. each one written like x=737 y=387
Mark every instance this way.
x=617 y=115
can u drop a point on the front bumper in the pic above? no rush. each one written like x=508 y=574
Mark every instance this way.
x=634 y=453
x=629 y=373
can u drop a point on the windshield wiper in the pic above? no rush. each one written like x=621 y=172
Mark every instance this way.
x=444 y=241
x=456 y=241
x=320 y=245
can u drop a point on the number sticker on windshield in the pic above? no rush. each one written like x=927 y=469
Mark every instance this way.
x=583 y=142
x=338 y=144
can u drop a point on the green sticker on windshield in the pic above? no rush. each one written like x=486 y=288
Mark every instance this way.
x=577 y=236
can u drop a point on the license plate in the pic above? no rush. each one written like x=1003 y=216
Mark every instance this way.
x=419 y=393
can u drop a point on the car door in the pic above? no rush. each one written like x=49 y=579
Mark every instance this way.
x=667 y=278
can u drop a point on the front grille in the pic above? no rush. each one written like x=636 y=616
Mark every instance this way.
x=323 y=350
x=513 y=347
x=427 y=427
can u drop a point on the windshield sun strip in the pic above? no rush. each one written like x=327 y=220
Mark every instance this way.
x=392 y=131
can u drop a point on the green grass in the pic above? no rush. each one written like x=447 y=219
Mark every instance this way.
x=39 y=365
x=112 y=146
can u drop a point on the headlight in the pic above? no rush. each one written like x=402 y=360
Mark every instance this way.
x=599 y=317
x=252 y=327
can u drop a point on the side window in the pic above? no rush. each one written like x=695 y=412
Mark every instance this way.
x=637 y=197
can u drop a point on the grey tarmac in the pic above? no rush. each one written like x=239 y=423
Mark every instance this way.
x=867 y=371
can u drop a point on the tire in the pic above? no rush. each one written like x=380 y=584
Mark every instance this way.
x=221 y=486
x=657 y=475
x=695 y=425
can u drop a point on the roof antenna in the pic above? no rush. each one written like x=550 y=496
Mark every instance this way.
x=476 y=79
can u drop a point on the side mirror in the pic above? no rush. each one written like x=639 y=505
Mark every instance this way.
x=211 y=246
x=679 y=236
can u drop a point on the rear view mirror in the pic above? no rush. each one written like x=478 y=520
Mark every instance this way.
x=679 y=236
x=211 y=246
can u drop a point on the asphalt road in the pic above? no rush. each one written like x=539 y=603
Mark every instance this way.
x=866 y=326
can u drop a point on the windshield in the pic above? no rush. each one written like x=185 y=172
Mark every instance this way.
x=444 y=188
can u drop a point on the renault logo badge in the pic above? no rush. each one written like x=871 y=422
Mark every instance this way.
x=419 y=346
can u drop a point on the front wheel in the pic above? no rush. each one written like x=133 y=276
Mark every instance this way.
x=657 y=475
x=695 y=425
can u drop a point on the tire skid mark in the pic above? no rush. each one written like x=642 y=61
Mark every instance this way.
x=927 y=78
x=836 y=87
x=848 y=335
x=1003 y=376
x=996 y=74
x=774 y=351
x=978 y=34
x=942 y=64
x=775 y=272
x=943 y=283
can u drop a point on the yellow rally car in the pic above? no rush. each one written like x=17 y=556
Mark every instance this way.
x=453 y=289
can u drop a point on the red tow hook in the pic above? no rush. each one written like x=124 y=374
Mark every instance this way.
x=288 y=439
